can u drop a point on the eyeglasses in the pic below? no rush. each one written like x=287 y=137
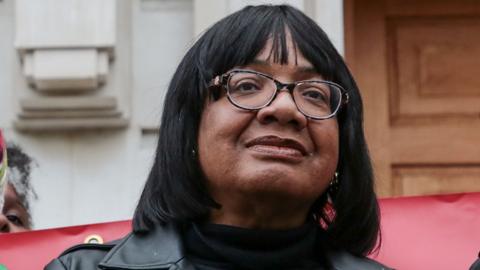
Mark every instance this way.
x=251 y=90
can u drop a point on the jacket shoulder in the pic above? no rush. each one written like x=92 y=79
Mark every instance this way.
x=475 y=265
x=347 y=261
x=83 y=256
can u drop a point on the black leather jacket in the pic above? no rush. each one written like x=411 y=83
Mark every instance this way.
x=161 y=249
x=476 y=265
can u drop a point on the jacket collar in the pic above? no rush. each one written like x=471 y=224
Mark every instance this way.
x=160 y=248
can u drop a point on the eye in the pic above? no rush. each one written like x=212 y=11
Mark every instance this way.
x=315 y=95
x=246 y=84
x=15 y=220
x=246 y=87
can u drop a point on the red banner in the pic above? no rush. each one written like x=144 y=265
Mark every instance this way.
x=33 y=250
x=429 y=232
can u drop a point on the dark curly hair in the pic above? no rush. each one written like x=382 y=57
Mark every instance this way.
x=20 y=166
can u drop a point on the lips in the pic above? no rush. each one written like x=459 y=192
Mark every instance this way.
x=275 y=141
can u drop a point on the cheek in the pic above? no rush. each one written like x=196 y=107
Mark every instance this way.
x=326 y=140
x=18 y=229
x=212 y=129
x=220 y=128
x=221 y=122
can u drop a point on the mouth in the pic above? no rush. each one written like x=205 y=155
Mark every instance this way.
x=277 y=145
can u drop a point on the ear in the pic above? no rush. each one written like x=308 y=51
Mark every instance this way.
x=215 y=92
x=215 y=88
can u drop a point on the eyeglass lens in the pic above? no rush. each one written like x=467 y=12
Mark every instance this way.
x=254 y=91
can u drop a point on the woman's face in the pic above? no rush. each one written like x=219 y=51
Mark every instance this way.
x=14 y=216
x=273 y=152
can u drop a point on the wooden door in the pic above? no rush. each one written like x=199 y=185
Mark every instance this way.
x=418 y=67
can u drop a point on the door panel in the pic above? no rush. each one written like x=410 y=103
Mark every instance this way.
x=434 y=179
x=418 y=66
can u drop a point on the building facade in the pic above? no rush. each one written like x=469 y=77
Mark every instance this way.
x=81 y=90
x=82 y=85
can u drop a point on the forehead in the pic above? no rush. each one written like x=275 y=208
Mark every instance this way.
x=11 y=197
x=294 y=58
x=10 y=194
x=292 y=67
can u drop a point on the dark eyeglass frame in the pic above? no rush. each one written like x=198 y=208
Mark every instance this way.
x=222 y=80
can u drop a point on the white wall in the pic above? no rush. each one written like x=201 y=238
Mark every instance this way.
x=97 y=176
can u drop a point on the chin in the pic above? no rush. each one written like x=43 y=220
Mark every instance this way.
x=275 y=180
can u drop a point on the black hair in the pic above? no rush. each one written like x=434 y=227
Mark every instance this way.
x=175 y=190
x=20 y=167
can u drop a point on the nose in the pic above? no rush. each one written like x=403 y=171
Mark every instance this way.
x=4 y=224
x=284 y=111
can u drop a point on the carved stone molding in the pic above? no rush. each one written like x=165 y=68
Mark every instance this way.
x=65 y=69
x=65 y=44
x=66 y=48
x=69 y=114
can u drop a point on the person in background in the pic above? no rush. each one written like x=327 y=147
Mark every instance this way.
x=15 y=215
x=3 y=167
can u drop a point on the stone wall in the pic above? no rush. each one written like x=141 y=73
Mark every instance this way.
x=81 y=90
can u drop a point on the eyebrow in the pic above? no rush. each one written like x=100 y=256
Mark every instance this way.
x=301 y=69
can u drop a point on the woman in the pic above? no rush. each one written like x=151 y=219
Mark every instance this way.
x=3 y=167
x=15 y=215
x=261 y=160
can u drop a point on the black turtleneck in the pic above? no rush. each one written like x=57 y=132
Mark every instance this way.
x=214 y=246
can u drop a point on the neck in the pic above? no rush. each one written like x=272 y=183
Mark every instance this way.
x=260 y=211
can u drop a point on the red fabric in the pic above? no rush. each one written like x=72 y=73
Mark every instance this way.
x=33 y=250
x=429 y=232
